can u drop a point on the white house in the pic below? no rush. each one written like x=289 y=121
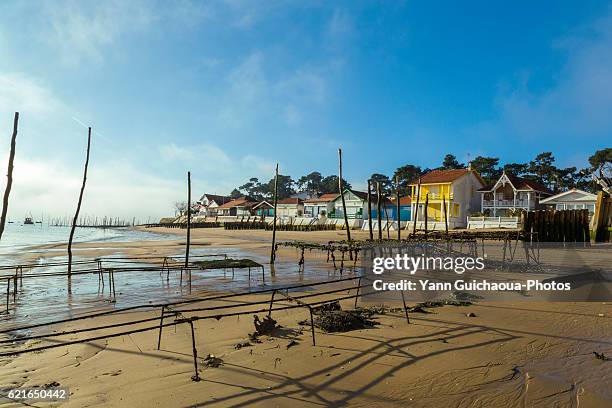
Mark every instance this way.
x=573 y=199
x=511 y=193
x=209 y=203
x=289 y=207
x=322 y=205
x=356 y=204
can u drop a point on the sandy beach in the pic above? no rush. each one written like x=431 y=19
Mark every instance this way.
x=485 y=354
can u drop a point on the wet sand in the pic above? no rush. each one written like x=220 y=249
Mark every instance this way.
x=509 y=354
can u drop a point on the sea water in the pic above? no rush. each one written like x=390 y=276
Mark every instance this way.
x=49 y=298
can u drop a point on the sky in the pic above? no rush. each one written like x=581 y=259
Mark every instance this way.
x=225 y=89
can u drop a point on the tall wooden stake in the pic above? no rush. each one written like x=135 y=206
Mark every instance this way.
x=78 y=209
x=370 y=209
x=399 y=217
x=379 y=210
x=9 y=175
x=426 y=211
x=415 y=216
x=273 y=249
x=341 y=190
x=445 y=214
x=188 y=220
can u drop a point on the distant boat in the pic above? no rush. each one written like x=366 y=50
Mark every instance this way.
x=28 y=220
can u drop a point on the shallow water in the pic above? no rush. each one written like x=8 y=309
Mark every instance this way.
x=18 y=238
x=45 y=299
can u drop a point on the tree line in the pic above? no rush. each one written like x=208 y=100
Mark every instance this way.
x=541 y=169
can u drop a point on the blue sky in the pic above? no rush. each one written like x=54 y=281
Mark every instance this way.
x=225 y=89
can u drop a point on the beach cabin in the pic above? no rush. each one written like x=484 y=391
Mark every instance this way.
x=405 y=208
x=239 y=207
x=320 y=206
x=263 y=208
x=207 y=204
x=510 y=194
x=388 y=216
x=356 y=204
x=573 y=199
x=457 y=188
x=290 y=207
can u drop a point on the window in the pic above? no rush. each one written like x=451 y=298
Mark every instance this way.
x=560 y=206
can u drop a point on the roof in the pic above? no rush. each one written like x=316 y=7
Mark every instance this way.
x=403 y=200
x=324 y=198
x=586 y=196
x=361 y=194
x=260 y=204
x=523 y=184
x=290 y=200
x=219 y=199
x=520 y=183
x=441 y=176
x=238 y=202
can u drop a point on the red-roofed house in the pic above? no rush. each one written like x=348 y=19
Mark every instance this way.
x=511 y=193
x=239 y=206
x=457 y=188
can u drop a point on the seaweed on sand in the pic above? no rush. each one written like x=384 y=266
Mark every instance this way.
x=333 y=319
x=227 y=263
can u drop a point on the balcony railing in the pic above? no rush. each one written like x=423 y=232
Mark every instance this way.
x=506 y=203
x=435 y=196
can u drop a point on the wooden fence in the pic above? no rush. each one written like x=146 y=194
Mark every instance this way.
x=602 y=219
x=558 y=226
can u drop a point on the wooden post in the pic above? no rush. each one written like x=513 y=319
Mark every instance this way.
x=598 y=217
x=386 y=215
x=9 y=175
x=399 y=217
x=161 y=325
x=379 y=210
x=415 y=216
x=188 y=219
x=405 y=307
x=78 y=209
x=273 y=249
x=426 y=207
x=196 y=376
x=340 y=188
x=445 y=215
x=370 y=209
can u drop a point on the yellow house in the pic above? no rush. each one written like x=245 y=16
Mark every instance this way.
x=457 y=188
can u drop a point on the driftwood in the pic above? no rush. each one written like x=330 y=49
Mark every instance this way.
x=78 y=209
x=9 y=175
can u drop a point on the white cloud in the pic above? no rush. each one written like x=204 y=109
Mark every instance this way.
x=23 y=94
x=82 y=31
x=113 y=189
